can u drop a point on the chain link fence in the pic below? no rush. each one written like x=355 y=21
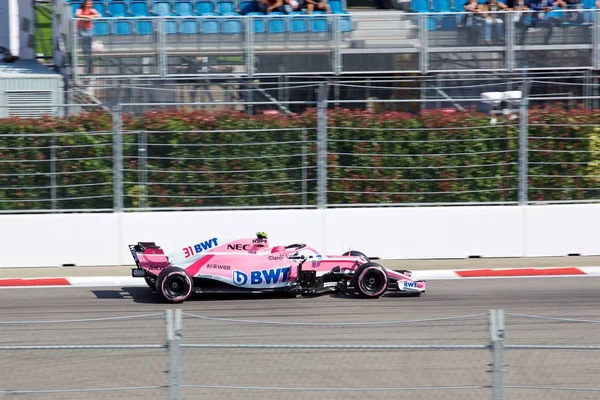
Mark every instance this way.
x=179 y=355
x=330 y=158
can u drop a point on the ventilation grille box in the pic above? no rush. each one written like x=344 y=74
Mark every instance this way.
x=30 y=103
x=29 y=89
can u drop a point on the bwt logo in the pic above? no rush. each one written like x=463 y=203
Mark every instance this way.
x=267 y=276
x=410 y=284
x=198 y=248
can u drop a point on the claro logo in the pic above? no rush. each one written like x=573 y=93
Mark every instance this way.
x=276 y=258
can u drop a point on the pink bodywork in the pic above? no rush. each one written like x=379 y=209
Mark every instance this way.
x=254 y=264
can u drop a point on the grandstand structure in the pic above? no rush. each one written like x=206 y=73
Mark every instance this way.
x=140 y=46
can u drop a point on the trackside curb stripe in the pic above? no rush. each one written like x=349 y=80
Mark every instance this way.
x=34 y=282
x=476 y=273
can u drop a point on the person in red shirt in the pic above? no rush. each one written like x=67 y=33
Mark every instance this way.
x=84 y=15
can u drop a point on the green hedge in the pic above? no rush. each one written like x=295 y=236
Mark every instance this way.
x=373 y=158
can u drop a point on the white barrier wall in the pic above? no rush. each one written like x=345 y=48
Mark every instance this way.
x=57 y=239
x=390 y=233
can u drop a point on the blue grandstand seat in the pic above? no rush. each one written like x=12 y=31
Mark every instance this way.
x=189 y=26
x=258 y=22
x=459 y=5
x=100 y=28
x=143 y=27
x=117 y=9
x=336 y=6
x=162 y=8
x=298 y=22
x=276 y=22
x=318 y=22
x=210 y=26
x=205 y=7
x=171 y=27
x=232 y=25
x=249 y=6
x=101 y=8
x=441 y=5
x=138 y=8
x=74 y=7
x=184 y=8
x=419 y=5
x=225 y=6
x=344 y=23
x=121 y=28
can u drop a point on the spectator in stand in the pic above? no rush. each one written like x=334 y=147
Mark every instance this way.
x=522 y=19
x=293 y=5
x=85 y=14
x=541 y=18
x=321 y=5
x=269 y=6
x=473 y=19
x=493 y=19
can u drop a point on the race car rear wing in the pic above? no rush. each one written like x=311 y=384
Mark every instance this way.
x=148 y=255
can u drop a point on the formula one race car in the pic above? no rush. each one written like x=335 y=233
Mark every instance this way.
x=252 y=265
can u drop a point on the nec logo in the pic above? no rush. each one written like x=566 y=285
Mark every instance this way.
x=266 y=276
x=238 y=247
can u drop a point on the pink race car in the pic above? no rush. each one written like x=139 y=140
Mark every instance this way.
x=252 y=265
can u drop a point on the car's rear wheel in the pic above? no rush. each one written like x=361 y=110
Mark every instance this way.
x=370 y=280
x=174 y=285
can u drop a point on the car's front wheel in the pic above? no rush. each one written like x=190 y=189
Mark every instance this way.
x=370 y=280
x=174 y=285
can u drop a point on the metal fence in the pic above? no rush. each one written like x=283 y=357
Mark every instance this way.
x=195 y=355
x=358 y=42
x=336 y=160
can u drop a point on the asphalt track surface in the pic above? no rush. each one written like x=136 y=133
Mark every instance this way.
x=303 y=373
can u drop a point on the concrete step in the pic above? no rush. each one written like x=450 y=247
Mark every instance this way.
x=391 y=42
x=362 y=24
x=368 y=34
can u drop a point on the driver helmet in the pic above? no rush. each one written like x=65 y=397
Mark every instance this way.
x=261 y=235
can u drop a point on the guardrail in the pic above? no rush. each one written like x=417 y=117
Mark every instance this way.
x=135 y=354
x=300 y=44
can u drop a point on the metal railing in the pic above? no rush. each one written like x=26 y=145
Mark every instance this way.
x=317 y=44
x=457 y=356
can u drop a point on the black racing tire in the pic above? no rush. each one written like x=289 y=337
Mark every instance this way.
x=355 y=253
x=370 y=280
x=174 y=285
x=151 y=282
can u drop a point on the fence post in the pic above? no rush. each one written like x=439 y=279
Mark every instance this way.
x=117 y=159
x=497 y=335
x=174 y=334
x=304 y=171
x=322 y=145
x=143 y=167
x=53 y=173
x=523 y=144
